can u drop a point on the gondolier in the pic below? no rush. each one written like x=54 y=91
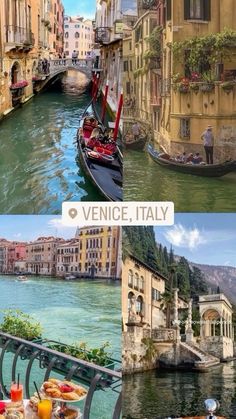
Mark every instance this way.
x=208 y=142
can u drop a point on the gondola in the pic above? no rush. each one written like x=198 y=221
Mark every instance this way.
x=206 y=170
x=103 y=167
x=137 y=145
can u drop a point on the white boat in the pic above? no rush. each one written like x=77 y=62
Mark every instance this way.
x=22 y=278
x=70 y=277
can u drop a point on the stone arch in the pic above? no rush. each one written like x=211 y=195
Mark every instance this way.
x=211 y=322
x=15 y=72
x=140 y=305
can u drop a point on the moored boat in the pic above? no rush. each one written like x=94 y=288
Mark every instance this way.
x=211 y=406
x=206 y=170
x=100 y=157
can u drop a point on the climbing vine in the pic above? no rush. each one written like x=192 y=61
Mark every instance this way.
x=206 y=50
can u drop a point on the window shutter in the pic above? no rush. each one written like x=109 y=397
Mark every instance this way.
x=168 y=9
x=207 y=11
x=186 y=9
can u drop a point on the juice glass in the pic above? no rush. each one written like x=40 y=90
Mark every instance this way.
x=16 y=392
x=45 y=409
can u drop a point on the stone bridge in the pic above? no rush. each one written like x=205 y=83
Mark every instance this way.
x=57 y=68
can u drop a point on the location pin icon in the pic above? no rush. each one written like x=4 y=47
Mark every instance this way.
x=73 y=212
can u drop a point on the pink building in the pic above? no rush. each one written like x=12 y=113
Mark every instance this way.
x=16 y=252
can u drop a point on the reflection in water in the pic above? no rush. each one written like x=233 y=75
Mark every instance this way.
x=146 y=181
x=160 y=394
x=38 y=164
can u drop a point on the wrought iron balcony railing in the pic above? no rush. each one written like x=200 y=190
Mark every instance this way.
x=19 y=36
x=36 y=362
x=102 y=35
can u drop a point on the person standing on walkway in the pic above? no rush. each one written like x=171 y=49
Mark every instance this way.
x=208 y=142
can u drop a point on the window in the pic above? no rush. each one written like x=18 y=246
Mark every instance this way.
x=126 y=67
x=185 y=128
x=76 y=26
x=128 y=88
x=168 y=9
x=66 y=34
x=197 y=9
x=155 y=294
x=131 y=65
x=76 y=34
x=130 y=278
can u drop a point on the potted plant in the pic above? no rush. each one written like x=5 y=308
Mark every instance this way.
x=21 y=325
x=228 y=86
x=183 y=86
x=208 y=84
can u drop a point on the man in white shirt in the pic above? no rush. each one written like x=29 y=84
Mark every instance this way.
x=208 y=142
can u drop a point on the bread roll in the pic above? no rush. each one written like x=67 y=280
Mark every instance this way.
x=70 y=396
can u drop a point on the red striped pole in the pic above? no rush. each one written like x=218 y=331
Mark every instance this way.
x=118 y=116
x=104 y=104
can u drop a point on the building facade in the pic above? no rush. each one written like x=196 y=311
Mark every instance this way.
x=78 y=36
x=16 y=253
x=41 y=256
x=29 y=31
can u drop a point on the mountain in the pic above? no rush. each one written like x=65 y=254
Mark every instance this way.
x=223 y=277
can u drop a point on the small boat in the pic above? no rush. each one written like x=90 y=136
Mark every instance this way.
x=101 y=162
x=22 y=278
x=138 y=144
x=211 y=406
x=207 y=170
x=70 y=278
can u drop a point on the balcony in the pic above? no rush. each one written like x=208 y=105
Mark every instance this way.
x=20 y=38
x=102 y=35
x=36 y=361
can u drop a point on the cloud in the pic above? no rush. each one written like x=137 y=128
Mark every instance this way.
x=56 y=223
x=17 y=235
x=181 y=236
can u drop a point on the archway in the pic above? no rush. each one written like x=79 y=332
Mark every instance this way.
x=15 y=72
x=211 y=324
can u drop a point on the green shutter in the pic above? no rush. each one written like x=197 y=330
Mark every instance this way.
x=186 y=9
x=168 y=9
x=207 y=11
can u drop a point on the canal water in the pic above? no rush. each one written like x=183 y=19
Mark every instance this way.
x=160 y=394
x=84 y=311
x=145 y=180
x=39 y=166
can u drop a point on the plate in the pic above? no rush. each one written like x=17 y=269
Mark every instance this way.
x=61 y=400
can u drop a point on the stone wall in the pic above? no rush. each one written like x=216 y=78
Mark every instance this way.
x=218 y=346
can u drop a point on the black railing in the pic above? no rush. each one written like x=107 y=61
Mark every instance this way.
x=102 y=35
x=18 y=35
x=41 y=361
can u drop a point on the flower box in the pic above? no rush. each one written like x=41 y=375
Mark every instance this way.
x=19 y=85
x=207 y=87
x=228 y=86
x=184 y=88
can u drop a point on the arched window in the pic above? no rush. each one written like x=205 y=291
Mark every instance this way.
x=139 y=305
x=66 y=34
x=15 y=72
x=76 y=34
x=141 y=283
x=136 y=281
x=130 y=296
x=130 y=278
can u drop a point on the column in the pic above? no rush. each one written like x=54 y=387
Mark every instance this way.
x=176 y=316
x=214 y=328
x=189 y=332
x=221 y=327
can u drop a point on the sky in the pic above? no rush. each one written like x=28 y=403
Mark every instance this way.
x=202 y=238
x=30 y=227
x=85 y=8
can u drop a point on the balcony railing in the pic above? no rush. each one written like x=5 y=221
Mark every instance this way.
x=40 y=361
x=19 y=36
x=102 y=35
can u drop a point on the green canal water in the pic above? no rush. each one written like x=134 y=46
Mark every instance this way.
x=145 y=180
x=161 y=394
x=83 y=311
x=39 y=166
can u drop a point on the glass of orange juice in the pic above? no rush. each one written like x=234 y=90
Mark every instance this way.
x=45 y=409
x=16 y=392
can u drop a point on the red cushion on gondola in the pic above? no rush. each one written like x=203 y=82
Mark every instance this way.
x=104 y=151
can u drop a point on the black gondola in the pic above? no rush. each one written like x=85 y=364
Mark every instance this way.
x=138 y=144
x=207 y=170
x=105 y=171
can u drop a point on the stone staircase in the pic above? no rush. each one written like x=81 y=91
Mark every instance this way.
x=204 y=360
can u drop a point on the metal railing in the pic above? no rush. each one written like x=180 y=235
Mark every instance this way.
x=45 y=360
x=18 y=35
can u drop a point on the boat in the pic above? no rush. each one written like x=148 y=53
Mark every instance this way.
x=207 y=170
x=137 y=145
x=101 y=162
x=211 y=406
x=70 y=278
x=22 y=278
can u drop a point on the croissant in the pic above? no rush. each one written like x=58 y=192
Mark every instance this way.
x=48 y=384
x=70 y=396
x=54 y=381
x=53 y=392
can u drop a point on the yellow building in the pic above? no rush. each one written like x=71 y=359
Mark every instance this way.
x=142 y=289
x=94 y=252
x=141 y=73
x=26 y=34
x=198 y=81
